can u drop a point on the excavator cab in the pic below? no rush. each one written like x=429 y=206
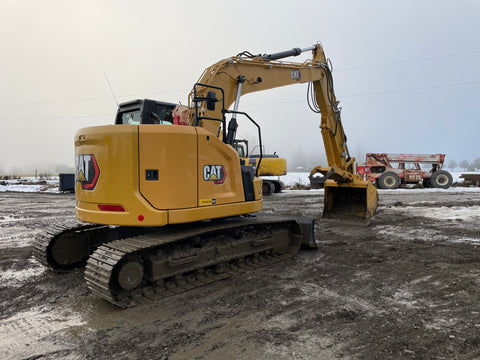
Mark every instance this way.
x=145 y=111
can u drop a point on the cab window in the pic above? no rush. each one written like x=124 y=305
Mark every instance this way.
x=132 y=117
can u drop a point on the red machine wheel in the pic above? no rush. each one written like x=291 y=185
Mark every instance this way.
x=441 y=179
x=389 y=180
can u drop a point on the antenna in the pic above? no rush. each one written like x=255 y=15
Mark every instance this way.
x=110 y=86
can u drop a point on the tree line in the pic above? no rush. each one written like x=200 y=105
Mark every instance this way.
x=465 y=165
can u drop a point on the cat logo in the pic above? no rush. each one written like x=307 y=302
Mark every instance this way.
x=215 y=173
x=295 y=74
x=87 y=171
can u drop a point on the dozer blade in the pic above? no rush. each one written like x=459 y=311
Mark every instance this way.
x=307 y=226
x=354 y=201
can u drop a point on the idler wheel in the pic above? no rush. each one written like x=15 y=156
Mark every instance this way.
x=68 y=250
x=130 y=274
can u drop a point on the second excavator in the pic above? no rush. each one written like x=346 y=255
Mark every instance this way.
x=167 y=205
x=271 y=165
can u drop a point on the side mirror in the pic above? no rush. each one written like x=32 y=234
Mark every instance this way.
x=211 y=100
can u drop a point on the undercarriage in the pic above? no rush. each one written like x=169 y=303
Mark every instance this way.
x=127 y=266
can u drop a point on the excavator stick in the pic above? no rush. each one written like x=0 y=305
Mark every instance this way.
x=352 y=201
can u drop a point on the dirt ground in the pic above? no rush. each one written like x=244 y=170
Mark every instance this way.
x=405 y=287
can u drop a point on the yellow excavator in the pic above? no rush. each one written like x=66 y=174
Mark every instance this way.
x=166 y=205
x=269 y=165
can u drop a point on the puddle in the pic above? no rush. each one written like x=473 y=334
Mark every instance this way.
x=98 y=313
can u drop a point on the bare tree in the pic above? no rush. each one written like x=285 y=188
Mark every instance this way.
x=464 y=164
x=474 y=165
x=452 y=164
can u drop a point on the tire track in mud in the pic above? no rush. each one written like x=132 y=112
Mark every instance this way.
x=26 y=334
x=17 y=240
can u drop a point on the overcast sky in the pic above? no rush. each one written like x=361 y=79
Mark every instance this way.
x=406 y=72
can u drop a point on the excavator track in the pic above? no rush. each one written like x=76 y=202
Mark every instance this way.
x=175 y=259
x=64 y=245
x=67 y=245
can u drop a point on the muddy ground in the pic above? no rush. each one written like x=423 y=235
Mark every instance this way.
x=405 y=287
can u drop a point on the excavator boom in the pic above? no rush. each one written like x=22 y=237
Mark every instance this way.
x=347 y=195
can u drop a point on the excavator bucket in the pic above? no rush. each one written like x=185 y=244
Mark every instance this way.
x=354 y=201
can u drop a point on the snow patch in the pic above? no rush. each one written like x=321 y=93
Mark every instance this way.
x=291 y=179
x=399 y=233
x=391 y=232
x=30 y=184
x=471 y=213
